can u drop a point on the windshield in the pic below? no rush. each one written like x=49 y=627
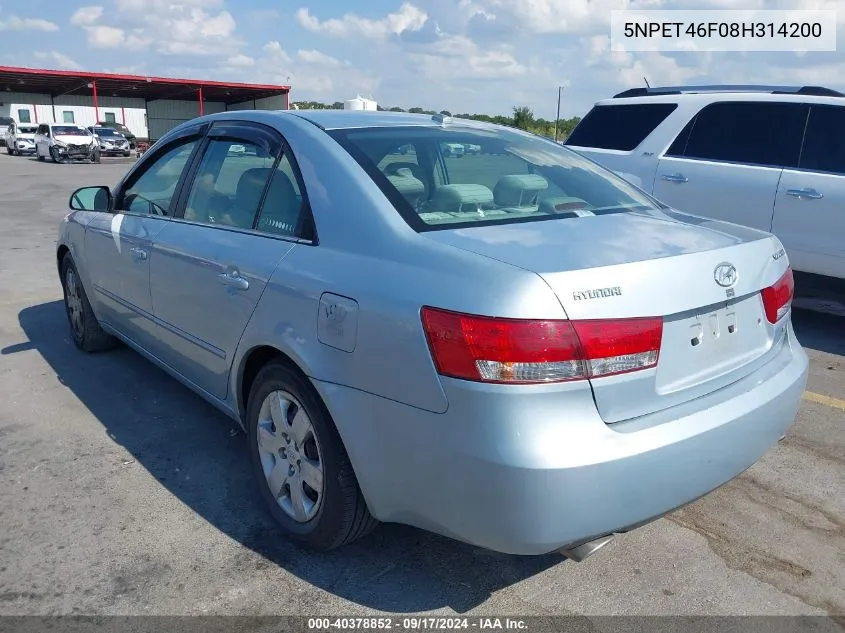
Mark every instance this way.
x=69 y=130
x=105 y=131
x=454 y=177
x=27 y=129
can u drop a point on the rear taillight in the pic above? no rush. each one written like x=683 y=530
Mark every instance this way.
x=777 y=299
x=489 y=349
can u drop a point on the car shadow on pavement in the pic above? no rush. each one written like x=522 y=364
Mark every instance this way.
x=195 y=453
x=819 y=331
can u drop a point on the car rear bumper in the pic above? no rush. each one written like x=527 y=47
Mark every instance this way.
x=529 y=470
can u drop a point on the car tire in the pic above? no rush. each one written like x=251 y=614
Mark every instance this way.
x=54 y=155
x=338 y=513
x=127 y=154
x=85 y=330
x=9 y=151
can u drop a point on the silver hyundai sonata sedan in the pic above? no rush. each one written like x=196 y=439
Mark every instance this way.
x=512 y=347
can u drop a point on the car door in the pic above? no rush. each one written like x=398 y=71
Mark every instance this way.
x=40 y=135
x=210 y=267
x=727 y=161
x=810 y=205
x=118 y=245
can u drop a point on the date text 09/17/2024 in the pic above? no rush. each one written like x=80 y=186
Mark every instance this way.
x=417 y=623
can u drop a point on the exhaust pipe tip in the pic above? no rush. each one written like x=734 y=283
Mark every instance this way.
x=581 y=552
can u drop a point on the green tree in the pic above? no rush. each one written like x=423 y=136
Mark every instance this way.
x=523 y=117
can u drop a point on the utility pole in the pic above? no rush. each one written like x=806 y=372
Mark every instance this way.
x=557 y=117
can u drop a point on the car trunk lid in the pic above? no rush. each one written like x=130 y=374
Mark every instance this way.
x=650 y=264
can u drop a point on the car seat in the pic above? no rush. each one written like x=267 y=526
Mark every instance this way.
x=519 y=192
x=411 y=188
x=457 y=198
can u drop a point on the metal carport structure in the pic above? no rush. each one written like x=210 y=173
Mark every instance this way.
x=165 y=101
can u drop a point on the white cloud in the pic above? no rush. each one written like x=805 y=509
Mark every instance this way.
x=240 y=60
x=60 y=60
x=105 y=36
x=276 y=53
x=14 y=23
x=407 y=18
x=164 y=5
x=317 y=58
x=86 y=16
x=170 y=27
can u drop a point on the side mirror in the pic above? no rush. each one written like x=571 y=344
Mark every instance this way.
x=91 y=199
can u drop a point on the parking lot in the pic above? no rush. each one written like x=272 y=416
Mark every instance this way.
x=121 y=492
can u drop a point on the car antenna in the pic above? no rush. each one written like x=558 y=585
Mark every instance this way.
x=646 y=82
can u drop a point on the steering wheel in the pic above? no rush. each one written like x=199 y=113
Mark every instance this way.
x=155 y=208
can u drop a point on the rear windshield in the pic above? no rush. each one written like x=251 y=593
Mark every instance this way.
x=619 y=127
x=457 y=176
x=68 y=130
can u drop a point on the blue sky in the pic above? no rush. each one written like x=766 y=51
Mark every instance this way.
x=459 y=55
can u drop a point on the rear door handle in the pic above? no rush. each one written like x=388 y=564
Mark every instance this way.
x=675 y=177
x=139 y=254
x=234 y=280
x=810 y=194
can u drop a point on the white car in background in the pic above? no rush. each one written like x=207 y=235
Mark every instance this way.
x=111 y=141
x=20 y=138
x=766 y=157
x=65 y=141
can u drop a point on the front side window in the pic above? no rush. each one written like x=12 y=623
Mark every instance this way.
x=824 y=142
x=153 y=192
x=24 y=116
x=752 y=133
x=473 y=176
x=67 y=116
x=229 y=183
x=619 y=127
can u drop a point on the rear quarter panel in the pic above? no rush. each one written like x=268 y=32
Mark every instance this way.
x=367 y=253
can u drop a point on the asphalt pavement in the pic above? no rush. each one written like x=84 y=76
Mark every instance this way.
x=121 y=492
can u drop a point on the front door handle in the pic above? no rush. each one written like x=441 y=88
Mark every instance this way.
x=675 y=177
x=139 y=254
x=810 y=194
x=234 y=280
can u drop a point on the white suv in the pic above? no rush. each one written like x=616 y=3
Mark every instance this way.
x=65 y=141
x=771 y=158
x=20 y=138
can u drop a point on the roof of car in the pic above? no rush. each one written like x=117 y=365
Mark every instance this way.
x=348 y=119
x=671 y=94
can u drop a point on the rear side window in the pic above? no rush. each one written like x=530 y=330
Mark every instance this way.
x=754 y=133
x=620 y=127
x=824 y=143
x=229 y=183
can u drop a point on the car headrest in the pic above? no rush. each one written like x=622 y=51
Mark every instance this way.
x=453 y=198
x=250 y=187
x=411 y=188
x=519 y=190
